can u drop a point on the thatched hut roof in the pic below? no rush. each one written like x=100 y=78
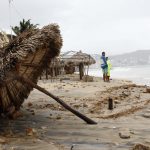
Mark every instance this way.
x=76 y=58
x=27 y=55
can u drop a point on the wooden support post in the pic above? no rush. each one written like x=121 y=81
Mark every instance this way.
x=83 y=117
x=110 y=103
x=81 y=70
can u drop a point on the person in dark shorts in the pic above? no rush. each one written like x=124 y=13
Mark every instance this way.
x=104 y=66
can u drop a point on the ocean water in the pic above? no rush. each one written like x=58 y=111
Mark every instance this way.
x=137 y=74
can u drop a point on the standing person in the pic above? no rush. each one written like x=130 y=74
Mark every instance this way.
x=104 y=66
x=108 y=69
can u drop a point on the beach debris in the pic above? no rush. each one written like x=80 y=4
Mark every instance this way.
x=126 y=102
x=117 y=102
x=30 y=131
x=146 y=115
x=29 y=104
x=140 y=147
x=124 y=133
x=126 y=87
x=125 y=93
x=58 y=117
x=138 y=96
x=33 y=113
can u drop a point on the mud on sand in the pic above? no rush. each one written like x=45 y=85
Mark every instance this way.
x=48 y=126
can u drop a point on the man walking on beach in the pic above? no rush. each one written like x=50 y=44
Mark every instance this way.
x=104 y=66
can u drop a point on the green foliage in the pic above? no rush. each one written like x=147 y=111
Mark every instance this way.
x=24 y=26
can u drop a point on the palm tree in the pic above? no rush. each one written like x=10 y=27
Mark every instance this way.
x=24 y=26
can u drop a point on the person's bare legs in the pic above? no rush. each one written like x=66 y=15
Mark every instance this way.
x=105 y=75
x=108 y=78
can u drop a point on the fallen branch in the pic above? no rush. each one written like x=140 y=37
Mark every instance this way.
x=83 y=117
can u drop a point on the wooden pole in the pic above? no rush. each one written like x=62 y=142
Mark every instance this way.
x=83 y=117
x=110 y=103
x=81 y=67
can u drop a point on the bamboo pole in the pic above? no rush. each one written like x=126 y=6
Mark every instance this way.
x=75 y=112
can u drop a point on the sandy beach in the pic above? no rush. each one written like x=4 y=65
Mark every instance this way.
x=46 y=125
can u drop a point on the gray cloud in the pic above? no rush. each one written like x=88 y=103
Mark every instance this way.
x=115 y=26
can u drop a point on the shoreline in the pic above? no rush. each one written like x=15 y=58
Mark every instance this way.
x=134 y=74
x=55 y=128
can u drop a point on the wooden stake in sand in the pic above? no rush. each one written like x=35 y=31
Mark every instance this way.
x=78 y=114
x=110 y=103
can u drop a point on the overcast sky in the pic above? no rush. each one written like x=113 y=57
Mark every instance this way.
x=93 y=26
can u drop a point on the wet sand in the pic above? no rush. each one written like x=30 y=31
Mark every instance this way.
x=48 y=126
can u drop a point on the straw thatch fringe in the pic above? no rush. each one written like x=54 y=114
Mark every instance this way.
x=27 y=56
x=77 y=57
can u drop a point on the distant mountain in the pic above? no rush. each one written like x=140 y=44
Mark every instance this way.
x=140 y=57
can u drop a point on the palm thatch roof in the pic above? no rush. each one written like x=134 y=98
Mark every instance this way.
x=27 y=55
x=73 y=57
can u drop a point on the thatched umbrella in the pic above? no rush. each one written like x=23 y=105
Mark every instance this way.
x=27 y=55
x=22 y=62
x=77 y=58
x=80 y=59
